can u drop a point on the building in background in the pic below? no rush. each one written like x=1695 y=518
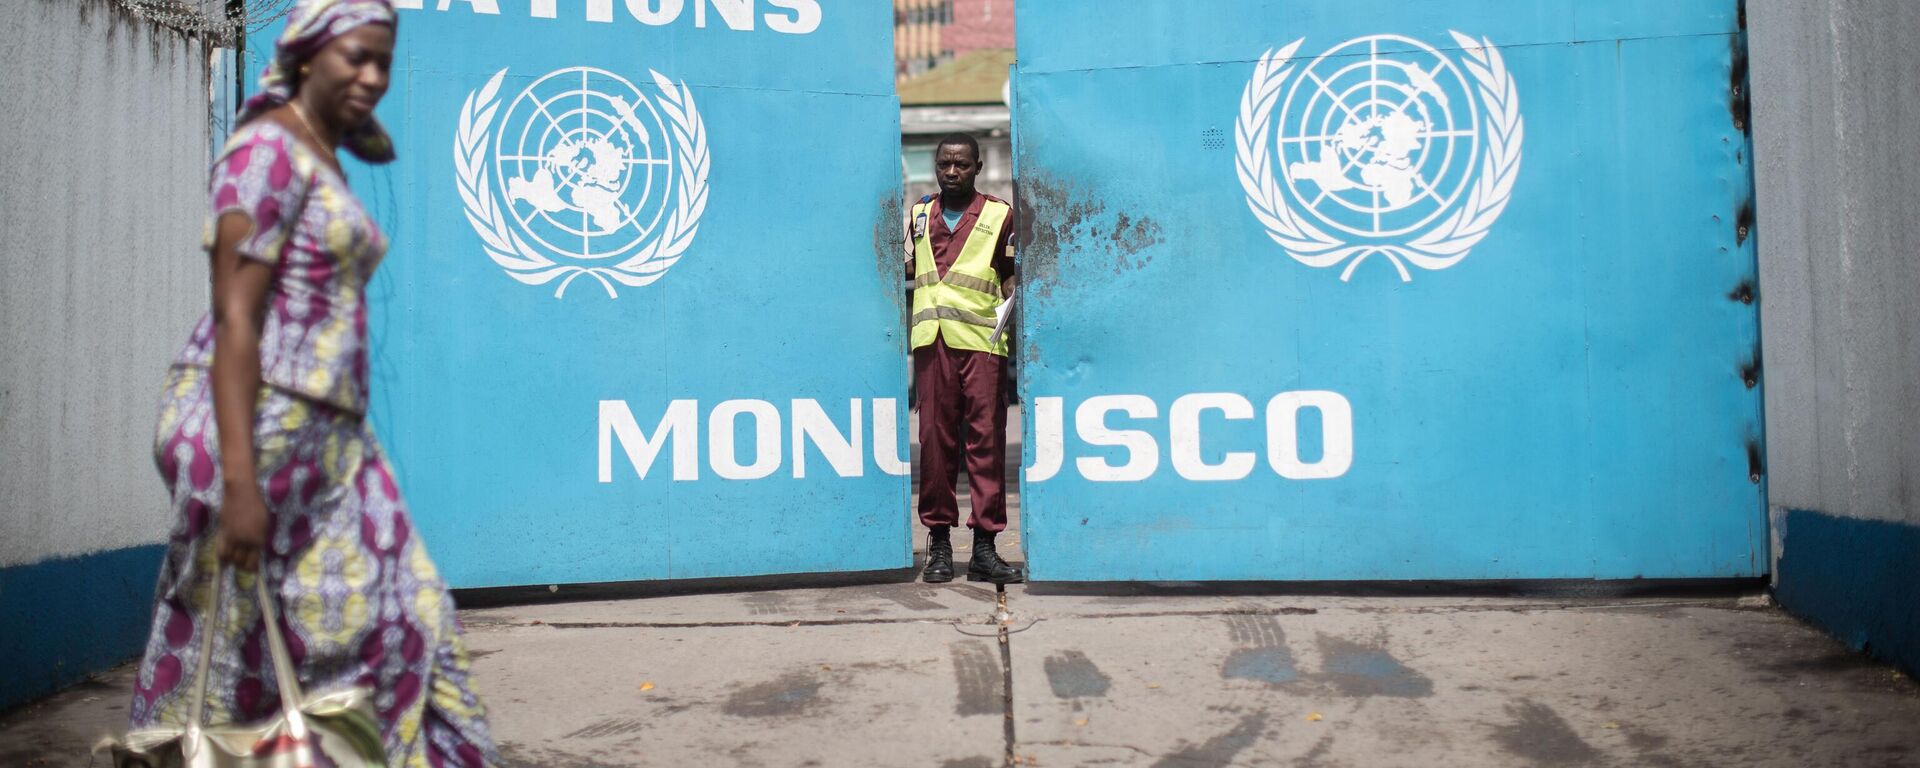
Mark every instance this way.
x=929 y=33
x=967 y=96
x=951 y=61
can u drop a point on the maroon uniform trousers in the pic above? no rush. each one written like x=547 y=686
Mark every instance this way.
x=961 y=417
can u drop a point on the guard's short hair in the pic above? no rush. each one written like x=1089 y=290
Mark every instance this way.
x=960 y=140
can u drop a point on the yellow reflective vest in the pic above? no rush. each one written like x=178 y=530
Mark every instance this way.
x=958 y=306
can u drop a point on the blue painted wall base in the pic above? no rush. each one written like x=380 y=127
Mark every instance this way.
x=69 y=618
x=1856 y=579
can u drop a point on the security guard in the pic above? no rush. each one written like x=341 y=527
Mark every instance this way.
x=961 y=262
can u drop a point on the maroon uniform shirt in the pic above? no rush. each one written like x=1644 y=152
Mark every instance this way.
x=963 y=418
x=946 y=244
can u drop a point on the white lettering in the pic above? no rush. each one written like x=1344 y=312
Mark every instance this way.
x=1143 y=455
x=1186 y=444
x=738 y=14
x=656 y=12
x=479 y=6
x=886 y=441
x=1049 y=440
x=1336 y=435
x=766 y=439
x=1183 y=422
x=791 y=17
x=681 y=422
x=844 y=451
x=597 y=10
x=805 y=19
x=811 y=424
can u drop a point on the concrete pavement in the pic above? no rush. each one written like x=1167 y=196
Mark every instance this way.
x=903 y=674
x=893 y=673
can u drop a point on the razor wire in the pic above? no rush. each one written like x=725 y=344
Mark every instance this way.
x=223 y=21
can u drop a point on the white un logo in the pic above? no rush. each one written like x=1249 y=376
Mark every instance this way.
x=583 y=161
x=590 y=176
x=1382 y=145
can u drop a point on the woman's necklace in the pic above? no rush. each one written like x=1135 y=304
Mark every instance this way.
x=301 y=115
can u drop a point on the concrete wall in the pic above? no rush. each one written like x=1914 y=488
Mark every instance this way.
x=1836 y=102
x=103 y=156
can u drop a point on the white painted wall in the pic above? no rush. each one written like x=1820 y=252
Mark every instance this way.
x=104 y=149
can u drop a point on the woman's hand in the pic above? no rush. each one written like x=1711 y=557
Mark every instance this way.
x=243 y=527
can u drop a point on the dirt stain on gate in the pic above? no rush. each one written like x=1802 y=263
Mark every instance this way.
x=889 y=247
x=1055 y=216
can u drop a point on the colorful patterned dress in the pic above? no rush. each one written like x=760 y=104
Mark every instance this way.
x=362 y=604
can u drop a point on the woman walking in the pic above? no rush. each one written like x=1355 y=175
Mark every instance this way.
x=263 y=441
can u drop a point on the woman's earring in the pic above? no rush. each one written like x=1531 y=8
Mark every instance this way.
x=306 y=69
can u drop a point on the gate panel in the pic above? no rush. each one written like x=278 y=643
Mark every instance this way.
x=588 y=373
x=1274 y=331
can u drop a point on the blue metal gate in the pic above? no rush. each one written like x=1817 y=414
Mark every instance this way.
x=1375 y=289
x=641 y=316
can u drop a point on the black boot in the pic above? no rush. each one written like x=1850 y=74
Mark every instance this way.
x=939 y=556
x=987 y=565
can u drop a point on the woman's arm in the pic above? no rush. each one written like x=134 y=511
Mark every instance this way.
x=239 y=309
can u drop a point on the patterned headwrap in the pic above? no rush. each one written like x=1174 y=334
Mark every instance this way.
x=310 y=26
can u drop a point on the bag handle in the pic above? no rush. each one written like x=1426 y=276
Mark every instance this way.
x=284 y=676
x=198 y=704
x=283 y=673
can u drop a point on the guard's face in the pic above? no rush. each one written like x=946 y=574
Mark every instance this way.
x=956 y=168
x=350 y=74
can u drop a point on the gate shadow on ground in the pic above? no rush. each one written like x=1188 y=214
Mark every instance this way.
x=1546 y=588
x=503 y=597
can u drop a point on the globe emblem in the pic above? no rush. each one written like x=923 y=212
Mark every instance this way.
x=584 y=163
x=1378 y=137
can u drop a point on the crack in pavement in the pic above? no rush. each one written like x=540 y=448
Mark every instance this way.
x=1239 y=611
x=1003 y=617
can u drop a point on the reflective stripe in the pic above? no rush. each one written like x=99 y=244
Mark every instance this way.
x=971 y=283
x=949 y=313
x=959 y=307
x=968 y=282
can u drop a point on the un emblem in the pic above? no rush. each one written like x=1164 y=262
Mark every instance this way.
x=583 y=173
x=1380 y=146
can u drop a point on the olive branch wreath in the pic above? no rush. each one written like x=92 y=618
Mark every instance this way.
x=527 y=264
x=1439 y=248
